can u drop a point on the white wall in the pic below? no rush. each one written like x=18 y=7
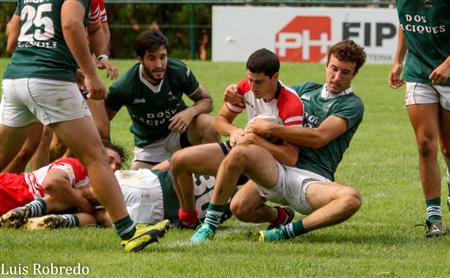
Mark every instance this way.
x=301 y=34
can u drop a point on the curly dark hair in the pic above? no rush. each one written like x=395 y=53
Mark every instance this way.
x=349 y=51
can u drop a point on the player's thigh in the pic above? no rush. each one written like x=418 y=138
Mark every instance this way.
x=260 y=165
x=246 y=199
x=81 y=137
x=204 y=159
x=321 y=193
x=424 y=119
x=202 y=128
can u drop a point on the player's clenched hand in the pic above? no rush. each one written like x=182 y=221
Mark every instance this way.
x=394 y=79
x=111 y=71
x=235 y=136
x=441 y=73
x=181 y=120
x=231 y=95
x=95 y=87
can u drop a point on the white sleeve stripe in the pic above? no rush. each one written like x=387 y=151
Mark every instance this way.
x=196 y=90
x=233 y=108
x=294 y=119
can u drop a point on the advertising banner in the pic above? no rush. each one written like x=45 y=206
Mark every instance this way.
x=298 y=34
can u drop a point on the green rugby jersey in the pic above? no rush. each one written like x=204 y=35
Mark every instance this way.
x=324 y=160
x=41 y=50
x=151 y=107
x=426 y=27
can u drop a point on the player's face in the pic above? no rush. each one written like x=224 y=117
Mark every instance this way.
x=114 y=159
x=339 y=74
x=263 y=86
x=154 y=64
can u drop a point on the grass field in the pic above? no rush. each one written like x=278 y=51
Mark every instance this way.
x=380 y=240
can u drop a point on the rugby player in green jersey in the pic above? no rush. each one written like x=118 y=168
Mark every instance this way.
x=424 y=38
x=152 y=92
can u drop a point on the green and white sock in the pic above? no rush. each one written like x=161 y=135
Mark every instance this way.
x=37 y=208
x=434 y=210
x=293 y=229
x=214 y=215
x=125 y=228
x=72 y=221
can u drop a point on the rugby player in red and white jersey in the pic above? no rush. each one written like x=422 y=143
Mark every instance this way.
x=52 y=188
x=263 y=94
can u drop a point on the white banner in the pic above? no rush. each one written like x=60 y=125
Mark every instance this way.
x=299 y=34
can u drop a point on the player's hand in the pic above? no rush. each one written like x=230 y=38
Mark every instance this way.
x=111 y=71
x=441 y=73
x=235 y=136
x=181 y=120
x=249 y=138
x=258 y=126
x=231 y=95
x=95 y=87
x=394 y=79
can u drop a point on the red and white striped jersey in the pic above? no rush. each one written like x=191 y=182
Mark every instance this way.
x=286 y=104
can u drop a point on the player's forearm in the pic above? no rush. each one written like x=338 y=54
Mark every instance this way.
x=202 y=106
x=286 y=154
x=300 y=136
x=223 y=126
x=97 y=39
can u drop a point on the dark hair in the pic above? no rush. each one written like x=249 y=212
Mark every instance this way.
x=349 y=51
x=118 y=149
x=150 y=41
x=263 y=61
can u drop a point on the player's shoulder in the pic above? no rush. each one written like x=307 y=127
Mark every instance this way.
x=244 y=86
x=306 y=87
x=178 y=68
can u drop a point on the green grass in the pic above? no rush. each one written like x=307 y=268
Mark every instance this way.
x=380 y=240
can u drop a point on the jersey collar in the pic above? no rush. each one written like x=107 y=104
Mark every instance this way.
x=327 y=95
x=155 y=89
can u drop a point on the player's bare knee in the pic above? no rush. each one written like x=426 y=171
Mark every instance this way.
x=237 y=158
x=240 y=209
x=427 y=146
x=352 y=199
x=177 y=161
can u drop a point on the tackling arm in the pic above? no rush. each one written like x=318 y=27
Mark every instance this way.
x=331 y=128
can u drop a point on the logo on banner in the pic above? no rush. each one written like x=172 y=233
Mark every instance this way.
x=304 y=39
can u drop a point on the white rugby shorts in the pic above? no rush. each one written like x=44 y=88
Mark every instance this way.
x=418 y=93
x=291 y=188
x=25 y=100
x=160 y=150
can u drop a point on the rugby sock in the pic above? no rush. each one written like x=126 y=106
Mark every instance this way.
x=72 y=220
x=282 y=217
x=37 y=208
x=434 y=210
x=293 y=229
x=188 y=217
x=213 y=215
x=125 y=228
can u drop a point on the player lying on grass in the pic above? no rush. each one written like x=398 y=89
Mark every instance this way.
x=149 y=197
x=332 y=115
x=264 y=94
x=56 y=188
